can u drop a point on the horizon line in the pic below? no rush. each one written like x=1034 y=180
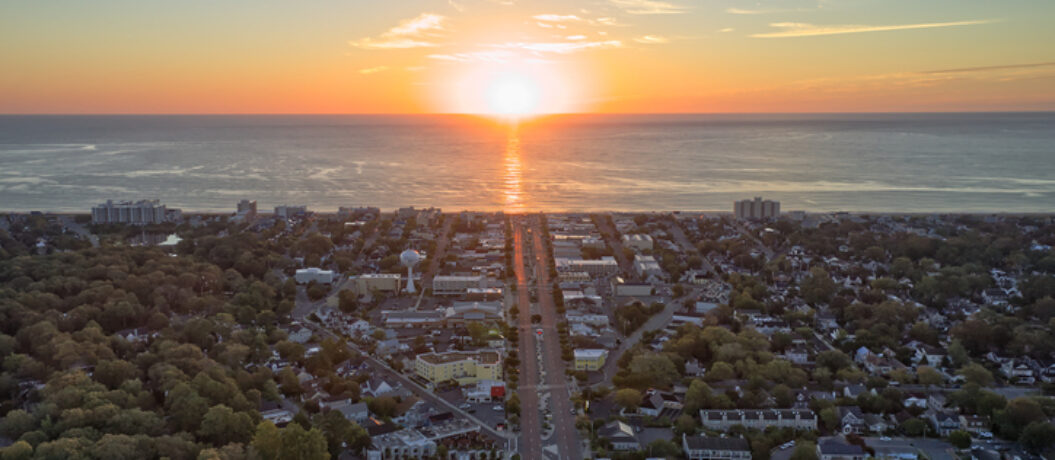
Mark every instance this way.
x=487 y=115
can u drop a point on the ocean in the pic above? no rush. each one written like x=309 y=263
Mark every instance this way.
x=979 y=162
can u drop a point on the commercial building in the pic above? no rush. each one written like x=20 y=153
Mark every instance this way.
x=286 y=211
x=604 y=266
x=722 y=420
x=141 y=212
x=708 y=448
x=466 y=368
x=590 y=359
x=638 y=241
x=621 y=288
x=318 y=275
x=647 y=266
x=455 y=285
x=380 y=282
x=756 y=209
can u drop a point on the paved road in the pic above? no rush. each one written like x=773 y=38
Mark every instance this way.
x=687 y=246
x=657 y=321
x=530 y=419
x=565 y=434
x=436 y=259
x=79 y=229
x=626 y=266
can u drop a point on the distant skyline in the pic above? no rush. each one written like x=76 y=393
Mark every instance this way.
x=519 y=56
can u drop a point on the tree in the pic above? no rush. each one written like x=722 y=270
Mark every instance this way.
x=267 y=441
x=658 y=367
x=958 y=354
x=628 y=399
x=914 y=427
x=384 y=406
x=929 y=376
x=818 y=288
x=1019 y=413
x=720 y=371
x=805 y=450
x=1037 y=436
x=290 y=443
x=222 y=425
x=16 y=423
x=960 y=439
x=697 y=396
x=976 y=374
x=834 y=360
x=20 y=450
x=663 y=448
x=684 y=424
x=347 y=301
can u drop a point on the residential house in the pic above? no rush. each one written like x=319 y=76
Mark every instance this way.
x=838 y=449
x=711 y=448
x=620 y=435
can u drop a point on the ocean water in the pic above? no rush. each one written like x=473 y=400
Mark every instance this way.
x=1003 y=162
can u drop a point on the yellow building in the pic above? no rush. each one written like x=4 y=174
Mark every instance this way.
x=463 y=367
x=590 y=359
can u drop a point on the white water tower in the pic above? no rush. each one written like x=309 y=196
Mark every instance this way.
x=409 y=259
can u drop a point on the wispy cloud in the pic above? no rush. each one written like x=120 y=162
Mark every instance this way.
x=647 y=7
x=560 y=47
x=799 y=29
x=475 y=56
x=727 y=30
x=651 y=39
x=371 y=70
x=418 y=32
x=558 y=18
x=993 y=68
x=759 y=10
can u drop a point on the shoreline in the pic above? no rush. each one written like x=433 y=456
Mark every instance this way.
x=600 y=211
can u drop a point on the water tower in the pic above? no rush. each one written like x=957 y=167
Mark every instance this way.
x=409 y=259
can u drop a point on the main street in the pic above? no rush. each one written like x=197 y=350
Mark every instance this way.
x=530 y=422
x=564 y=431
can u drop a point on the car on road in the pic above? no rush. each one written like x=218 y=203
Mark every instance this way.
x=885 y=438
x=465 y=406
x=498 y=407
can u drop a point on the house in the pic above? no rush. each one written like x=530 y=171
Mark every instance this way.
x=376 y=387
x=929 y=355
x=944 y=422
x=356 y=412
x=852 y=420
x=877 y=424
x=620 y=435
x=708 y=448
x=853 y=391
x=915 y=399
x=974 y=423
x=838 y=449
x=1017 y=371
x=660 y=403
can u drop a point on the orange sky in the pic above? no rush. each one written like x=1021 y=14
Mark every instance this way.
x=631 y=56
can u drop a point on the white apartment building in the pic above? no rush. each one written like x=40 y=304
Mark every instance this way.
x=141 y=212
x=455 y=285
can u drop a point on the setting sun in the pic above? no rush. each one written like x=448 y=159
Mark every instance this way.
x=513 y=95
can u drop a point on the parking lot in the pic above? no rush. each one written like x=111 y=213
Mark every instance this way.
x=484 y=411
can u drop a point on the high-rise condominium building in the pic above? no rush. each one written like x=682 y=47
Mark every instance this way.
x=756 y=209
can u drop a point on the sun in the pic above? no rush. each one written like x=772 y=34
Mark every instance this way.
x=513 y=95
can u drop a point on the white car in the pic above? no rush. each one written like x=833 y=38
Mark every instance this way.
x=498 y=407
x=885 y=438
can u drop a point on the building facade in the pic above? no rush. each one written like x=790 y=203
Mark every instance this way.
x=722 y=420
x=590 y=359
x=141 y=212
x=466 y=368
x=756 y=209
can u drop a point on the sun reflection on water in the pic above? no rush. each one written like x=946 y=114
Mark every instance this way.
x=512 y=191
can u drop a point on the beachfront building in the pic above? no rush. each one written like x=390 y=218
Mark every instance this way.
x=140 y=212
x=246 y=211
x=318 y=275
x=286 y=211
x=588 y=359
x=757 y=209
x=466 y=368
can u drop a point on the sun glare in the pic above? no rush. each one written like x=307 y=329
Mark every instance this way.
x=513 y=95
x=510 y=89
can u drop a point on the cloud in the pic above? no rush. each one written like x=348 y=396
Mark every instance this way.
x=558 y=18
x=727 y=30
x=799 y=29
x=993 y=68
x=651 y=39
x=418 y=32
x=576 y=37
x=647 y=7
x=475 y=56
x=560 y=47
x=758 y=11
x=371 y=70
